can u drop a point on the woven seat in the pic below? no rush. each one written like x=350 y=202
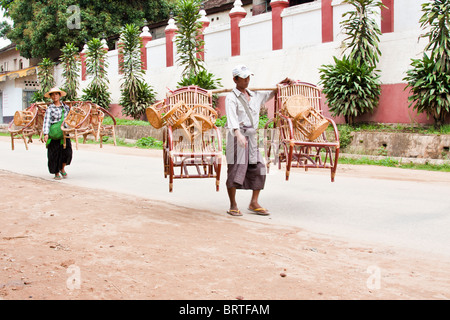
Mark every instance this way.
x=299 y=136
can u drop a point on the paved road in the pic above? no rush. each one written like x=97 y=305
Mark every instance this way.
x=390 y=211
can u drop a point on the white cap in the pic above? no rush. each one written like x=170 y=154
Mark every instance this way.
x=242 y=71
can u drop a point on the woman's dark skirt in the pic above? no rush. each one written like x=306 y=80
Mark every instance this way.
x=57 y=155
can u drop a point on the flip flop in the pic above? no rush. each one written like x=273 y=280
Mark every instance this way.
x=235 y=213
x=57 y=178
x=260 y=211
x=64 y=174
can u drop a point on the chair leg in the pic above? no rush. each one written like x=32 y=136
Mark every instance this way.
x=25 y=142
x=170 y=174
x=12 y=142
x=76 y=139
x=289 y=161
x=114 y=136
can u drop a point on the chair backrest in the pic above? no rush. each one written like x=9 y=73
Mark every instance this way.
x=191 y=96
x=96 y=115
x=305 y=95
x=78 y=115
x=307 y=90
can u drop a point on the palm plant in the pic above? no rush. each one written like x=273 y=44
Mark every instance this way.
x=429 y=78
x=362 y=31
x=190 y=46
x=70 y=59
x=96 y=65
x=46 y=79
x=352 y=84
x=136 y=94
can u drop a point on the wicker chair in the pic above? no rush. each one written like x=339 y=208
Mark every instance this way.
x=27 y=123
x=107 y=130
x=190 y=138
x=299 y=138
x=77 y=121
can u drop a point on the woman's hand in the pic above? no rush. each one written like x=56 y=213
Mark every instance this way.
x=46 y=138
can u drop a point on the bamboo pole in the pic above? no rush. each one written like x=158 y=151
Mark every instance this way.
x=217 y=91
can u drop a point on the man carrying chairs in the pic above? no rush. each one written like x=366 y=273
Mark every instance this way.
x=246 y=168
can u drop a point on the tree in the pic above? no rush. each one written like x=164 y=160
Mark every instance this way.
x=70 y=61
x=42 y=27
x=190 y=46
x=136 y=94
x=352 y=84
x=96 y=65
x=429 y=78
x=46 y=79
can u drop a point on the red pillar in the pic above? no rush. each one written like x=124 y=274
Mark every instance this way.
x=120 y=57
x=146 y=38
x=170 y=34
x=236 y=18
x=327 y=21
x=277 y=23
x=205 y=24
x=387 y=16
x=83 y=65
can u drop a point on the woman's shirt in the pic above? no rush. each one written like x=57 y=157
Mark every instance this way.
x=53 y=115
x=236 y=114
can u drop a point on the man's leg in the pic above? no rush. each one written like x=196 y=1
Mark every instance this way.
x=255 y=206
x=234 y=211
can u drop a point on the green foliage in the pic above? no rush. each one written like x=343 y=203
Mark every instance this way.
x=221 y=122
x=345 y=135
x=352 y=88
x=202 y=79
x=70 y=62
x=429 y=77
x=96 y=65
x=136 y=95
x=352 y=85
x=188 y=40
x=430 y=89
x=149 y=143
x=190 y=46
x=41 y=28
x=46 y=79
x=362 y=31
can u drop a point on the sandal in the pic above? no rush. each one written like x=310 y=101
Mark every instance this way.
x=235 y=213
x=57 y=177
x=64 y=174
x=260 y=211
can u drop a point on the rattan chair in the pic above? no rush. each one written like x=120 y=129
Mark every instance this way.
x=27 y=123
x=77 y=121
x=299 y=138
x=192 y=143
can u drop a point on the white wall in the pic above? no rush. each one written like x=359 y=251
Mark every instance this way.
x=302 y=56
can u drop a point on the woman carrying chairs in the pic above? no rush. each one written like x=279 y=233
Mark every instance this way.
x=59 y=154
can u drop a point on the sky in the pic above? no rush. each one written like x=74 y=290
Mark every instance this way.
x=3 y=41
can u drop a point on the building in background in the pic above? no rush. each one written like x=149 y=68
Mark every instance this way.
x=18 y=82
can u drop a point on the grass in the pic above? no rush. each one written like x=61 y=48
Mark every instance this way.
x=390 y=162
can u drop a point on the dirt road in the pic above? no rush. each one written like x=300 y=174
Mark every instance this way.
x=63 y=242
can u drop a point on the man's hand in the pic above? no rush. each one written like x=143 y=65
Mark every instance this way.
x=46 y=138
x=241 y=140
